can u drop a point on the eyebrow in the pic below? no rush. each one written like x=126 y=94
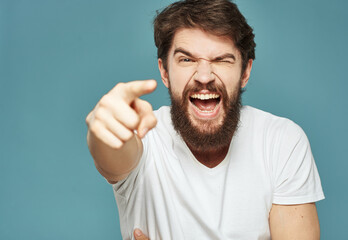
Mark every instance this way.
x=226 y=55
x=187 y=53
x=183 y=51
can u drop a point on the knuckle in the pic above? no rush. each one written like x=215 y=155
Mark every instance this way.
x=133 y=88
x=87 y=120
x=99 y=114
x=120 y=87
x=134 y=121
x=95 y=128
x=123 y=135
x=105 y=101
x=128 y=135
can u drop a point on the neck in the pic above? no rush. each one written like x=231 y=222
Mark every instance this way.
x=211 y=157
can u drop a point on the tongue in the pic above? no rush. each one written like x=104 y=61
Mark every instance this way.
x=205 y=105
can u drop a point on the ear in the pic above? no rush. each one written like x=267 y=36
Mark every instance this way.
x=164 y=73
x=246 y=75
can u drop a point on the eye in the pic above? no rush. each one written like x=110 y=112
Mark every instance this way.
x=185 y=60
x=223 y=61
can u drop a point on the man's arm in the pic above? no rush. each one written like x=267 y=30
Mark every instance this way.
x=111 y=124
x=295 y=222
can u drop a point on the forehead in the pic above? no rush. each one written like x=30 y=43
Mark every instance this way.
x=203 y=44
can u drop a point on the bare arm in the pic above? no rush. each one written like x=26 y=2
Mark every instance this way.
x=294 y=222
x=115 y=148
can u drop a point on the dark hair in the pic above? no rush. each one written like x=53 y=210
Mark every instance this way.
x=218 y=17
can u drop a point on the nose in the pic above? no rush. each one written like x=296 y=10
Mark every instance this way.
x=204 y=72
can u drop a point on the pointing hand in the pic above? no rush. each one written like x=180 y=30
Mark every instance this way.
x=121 y=111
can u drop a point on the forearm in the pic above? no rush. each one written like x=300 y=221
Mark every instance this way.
x=111 y=125
x=115 y=164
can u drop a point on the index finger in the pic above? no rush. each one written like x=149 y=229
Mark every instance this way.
x=135 y=89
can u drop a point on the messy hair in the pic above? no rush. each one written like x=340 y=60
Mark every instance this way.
x=218 y=17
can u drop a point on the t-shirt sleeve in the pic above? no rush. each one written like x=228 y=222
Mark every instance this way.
x=296 y=178
x=124 y=187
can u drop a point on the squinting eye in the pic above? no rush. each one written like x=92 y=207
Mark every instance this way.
x=224 y=61
x=185 y=60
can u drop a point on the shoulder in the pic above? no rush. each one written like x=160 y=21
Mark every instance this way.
x=272 y=131
x=268 y=122
x=163 y=113
x=164 y=121
x=249 y=114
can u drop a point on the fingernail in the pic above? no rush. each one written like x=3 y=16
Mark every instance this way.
x=137 y=232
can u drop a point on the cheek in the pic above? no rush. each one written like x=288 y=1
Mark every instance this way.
x=179 y=78
x=230 y=78
x=232 y=82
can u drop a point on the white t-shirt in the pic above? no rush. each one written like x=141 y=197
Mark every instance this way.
x=170 y=195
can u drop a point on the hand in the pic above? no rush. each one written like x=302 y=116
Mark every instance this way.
x=139 y=235
x=121 y=111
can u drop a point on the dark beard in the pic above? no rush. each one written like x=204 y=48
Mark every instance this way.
x=209 y=138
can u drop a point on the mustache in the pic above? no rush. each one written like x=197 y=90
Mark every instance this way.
x=199 y=139
x=198 y=86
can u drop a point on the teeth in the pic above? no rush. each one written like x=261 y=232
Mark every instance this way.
x=205 y=96
x=205 y=111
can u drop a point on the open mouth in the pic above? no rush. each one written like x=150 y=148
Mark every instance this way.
x=205 y=102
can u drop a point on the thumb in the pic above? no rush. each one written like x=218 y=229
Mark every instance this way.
x=147 y=117
x=139 y=235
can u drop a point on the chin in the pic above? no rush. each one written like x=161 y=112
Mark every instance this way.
x=205 y=126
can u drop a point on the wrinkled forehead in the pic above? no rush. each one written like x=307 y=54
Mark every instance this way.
x=202 y=44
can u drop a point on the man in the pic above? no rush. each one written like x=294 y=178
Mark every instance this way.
x=205 y=168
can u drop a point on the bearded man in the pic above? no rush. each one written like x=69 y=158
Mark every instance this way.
x=206 y=167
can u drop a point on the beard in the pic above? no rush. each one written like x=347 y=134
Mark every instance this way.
x=210 y=134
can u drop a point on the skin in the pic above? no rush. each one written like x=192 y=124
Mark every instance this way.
x=290 y=222
x=116 y=149
x=139 y=235
x=114 y=146
x=199 y=56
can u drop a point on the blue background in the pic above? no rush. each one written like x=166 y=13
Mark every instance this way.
x=57 y=58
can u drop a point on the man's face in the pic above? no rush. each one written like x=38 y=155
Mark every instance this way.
x=204 y=79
